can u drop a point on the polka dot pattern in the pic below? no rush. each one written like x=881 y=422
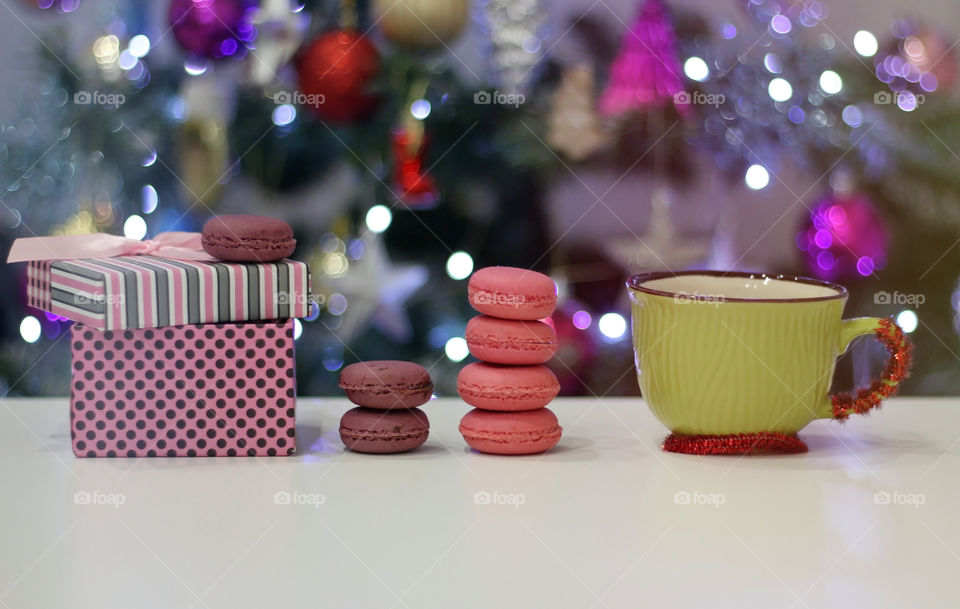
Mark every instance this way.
x=186 y=391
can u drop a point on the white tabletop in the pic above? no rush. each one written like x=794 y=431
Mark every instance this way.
x=867 y=518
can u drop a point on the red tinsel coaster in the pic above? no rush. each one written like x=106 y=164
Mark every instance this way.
x=736 y=444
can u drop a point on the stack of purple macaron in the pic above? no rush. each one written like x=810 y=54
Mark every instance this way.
x=510 y=387
x=387 y=418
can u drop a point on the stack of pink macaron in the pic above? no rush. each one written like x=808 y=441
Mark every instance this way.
x=510 y=387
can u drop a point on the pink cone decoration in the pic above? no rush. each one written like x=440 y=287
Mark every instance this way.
x=646 y=72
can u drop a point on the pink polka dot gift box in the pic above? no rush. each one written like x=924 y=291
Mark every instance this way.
x=174 y=353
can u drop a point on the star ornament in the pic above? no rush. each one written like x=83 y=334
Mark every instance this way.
x=377 y=292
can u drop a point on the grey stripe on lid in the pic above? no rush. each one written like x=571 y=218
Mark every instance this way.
x=62 y=265
x=283 y=287
x=98 y=282
x=223 y=292
x=253 y=291
x=162 y=284
x=130 y=298
x=91 y=305
x=192 y=291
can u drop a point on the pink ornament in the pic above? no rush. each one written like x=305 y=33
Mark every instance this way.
x=211 y=28
x=646 y=72
x=844 y=238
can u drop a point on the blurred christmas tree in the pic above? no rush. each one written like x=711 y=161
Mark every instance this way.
x=402 y=169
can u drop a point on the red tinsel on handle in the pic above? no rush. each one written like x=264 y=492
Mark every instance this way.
x=897 y=369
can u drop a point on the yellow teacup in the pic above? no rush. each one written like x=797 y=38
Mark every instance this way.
x=737 y=353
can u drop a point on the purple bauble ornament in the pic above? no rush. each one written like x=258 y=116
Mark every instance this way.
x=211 y=28
x=844 y=238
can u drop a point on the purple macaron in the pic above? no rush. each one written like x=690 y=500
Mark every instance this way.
x=387 y=384
x=247 y=238
x=368 y=430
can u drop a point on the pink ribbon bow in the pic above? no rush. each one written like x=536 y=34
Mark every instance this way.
x=176 y=245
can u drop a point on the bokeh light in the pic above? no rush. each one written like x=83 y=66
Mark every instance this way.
x=149 y=199
x=907 y=320
x=852 y=116
x=139 y=46
x=830 y=82
x=284 y=114
x=135 y=227
x=420 y=109
x=781 y=24
x=337 y=304
x=757 y=177
x=612 y=325
x=696 y=69
x=30 y=329
x=907 y=101
x=865 y=43
x=379 y=218
x=780 y=90
x=459 y=265
x=456 y=349
x=581 y=320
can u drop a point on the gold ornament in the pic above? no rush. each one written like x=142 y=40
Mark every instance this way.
x=573 y=128
x=202 y=143
x=421 y=23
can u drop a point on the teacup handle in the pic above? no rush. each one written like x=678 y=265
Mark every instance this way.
x=896 y=369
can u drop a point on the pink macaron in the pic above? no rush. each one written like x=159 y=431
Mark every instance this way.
x=510 y=341
x=512 y=293
x=507 y=388
x=511 y=433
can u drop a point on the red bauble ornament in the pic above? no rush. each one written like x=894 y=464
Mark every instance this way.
x=414 y=186
x=335 y=71
x=844 y=238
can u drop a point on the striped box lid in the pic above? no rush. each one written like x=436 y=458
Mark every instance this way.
x=128 y=292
